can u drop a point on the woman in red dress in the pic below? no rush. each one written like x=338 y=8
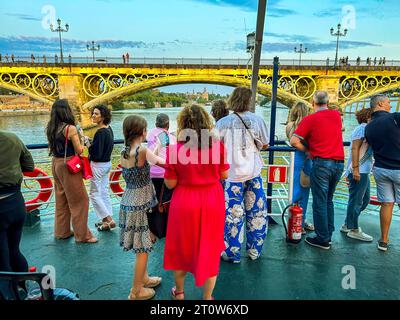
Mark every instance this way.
x=195 y=232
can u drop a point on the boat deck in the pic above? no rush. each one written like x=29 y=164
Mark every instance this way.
x=103 y=271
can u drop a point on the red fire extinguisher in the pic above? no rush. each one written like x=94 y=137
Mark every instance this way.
x=295 y=221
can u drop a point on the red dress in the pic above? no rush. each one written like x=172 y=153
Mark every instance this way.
x=195 y=232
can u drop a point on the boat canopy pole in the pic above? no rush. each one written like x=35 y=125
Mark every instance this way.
x=274 y=99
x=262 y=5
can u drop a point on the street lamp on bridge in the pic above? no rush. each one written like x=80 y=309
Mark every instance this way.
x=300 y=51
x=93 y=48
x=59 y=29
x=338 y=34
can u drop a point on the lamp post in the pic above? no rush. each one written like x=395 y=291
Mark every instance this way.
x=300 y=51
x=251 y=42
x=93 y=48
x=338 y=34
x=59 y=29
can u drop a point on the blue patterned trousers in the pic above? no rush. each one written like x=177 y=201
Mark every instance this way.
x=245 y=200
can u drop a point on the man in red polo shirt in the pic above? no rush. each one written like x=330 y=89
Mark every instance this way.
x=320 y=134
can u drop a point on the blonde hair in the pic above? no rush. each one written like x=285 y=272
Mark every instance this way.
x=195 y=118
x=299 y=111
x=239 y=101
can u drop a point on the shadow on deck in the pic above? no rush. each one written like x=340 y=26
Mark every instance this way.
x=103 y=271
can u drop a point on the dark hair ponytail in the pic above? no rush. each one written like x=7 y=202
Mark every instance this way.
x=61 y=114
x=132 y=128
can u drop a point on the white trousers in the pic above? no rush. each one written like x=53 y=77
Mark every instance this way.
x=99 y=189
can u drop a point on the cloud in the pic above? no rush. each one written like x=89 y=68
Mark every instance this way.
x=274 y=8
x=328 y=13
x=314 y=47
x=291 y=37
x=21 y=16
x=44 y=45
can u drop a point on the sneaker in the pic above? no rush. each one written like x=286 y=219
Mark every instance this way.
x=225 y=258
x=359 y=235
x=315 y=243
x=344 y=229
x=383 y=246
x=309 y=226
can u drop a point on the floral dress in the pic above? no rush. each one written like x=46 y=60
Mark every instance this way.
x=139 y=197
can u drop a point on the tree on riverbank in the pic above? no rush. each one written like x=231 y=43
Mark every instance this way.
x=151 y=98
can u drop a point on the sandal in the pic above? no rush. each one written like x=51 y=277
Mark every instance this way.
x=106 y=226
x=175 y=294
x=91 y=240
x=148 y=294
x=98 y=224
x=153 y=282
x=309 y=226
x=67 y=237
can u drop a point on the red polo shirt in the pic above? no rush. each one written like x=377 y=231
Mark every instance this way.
x=322 y=132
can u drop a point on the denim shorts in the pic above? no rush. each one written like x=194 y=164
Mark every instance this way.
x=387 y=184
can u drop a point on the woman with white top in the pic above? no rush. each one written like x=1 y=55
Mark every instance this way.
x=244 y=135
x=358 y=170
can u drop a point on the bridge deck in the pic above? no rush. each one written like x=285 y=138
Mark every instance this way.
x=205 y=65
x=104 y=271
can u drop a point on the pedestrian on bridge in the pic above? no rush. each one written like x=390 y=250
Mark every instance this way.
x=32 y=58
x=1 y=57
x=12 y=58
x=14 y=159
x=6 y=57
x=320 y=134
x=72 y=202
x=124 y=58
x=244 y=135
x=358 y=170
x=127 y=57
x=302 y=164
x=55 y=58
x=383 y=135
x=44 y=59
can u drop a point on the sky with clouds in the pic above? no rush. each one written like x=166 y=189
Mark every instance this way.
x=201 y=28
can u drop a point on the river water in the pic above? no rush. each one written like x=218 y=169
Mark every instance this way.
x=31 y=129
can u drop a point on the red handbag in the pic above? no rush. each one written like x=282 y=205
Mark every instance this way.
x=74 y=165
x=86 y=169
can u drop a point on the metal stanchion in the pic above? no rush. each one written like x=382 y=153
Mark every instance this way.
x=272 y=130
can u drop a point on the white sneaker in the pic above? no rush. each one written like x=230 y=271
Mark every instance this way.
x=344 y=229
x=359 y=235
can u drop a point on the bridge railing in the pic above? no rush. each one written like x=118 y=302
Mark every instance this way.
x=188 y=61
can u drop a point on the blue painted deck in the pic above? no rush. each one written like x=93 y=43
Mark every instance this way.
x=104 y=271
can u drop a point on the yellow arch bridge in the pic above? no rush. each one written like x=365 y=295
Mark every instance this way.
x=105 y=80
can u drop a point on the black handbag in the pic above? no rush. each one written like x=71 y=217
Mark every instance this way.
x=158 y=216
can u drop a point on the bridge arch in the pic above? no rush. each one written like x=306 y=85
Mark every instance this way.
x=26 y=93
x=368 y=95
x=284 y=97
